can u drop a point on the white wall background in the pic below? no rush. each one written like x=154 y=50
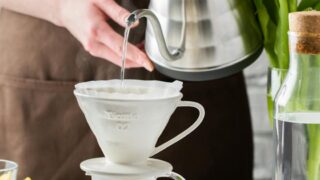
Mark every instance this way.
x=256 y=79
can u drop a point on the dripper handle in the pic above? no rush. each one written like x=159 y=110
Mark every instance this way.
x=174 y=176
x=180 y=136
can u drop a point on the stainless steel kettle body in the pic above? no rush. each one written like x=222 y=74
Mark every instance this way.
x=201 y=39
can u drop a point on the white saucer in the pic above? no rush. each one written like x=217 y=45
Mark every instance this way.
x=150 y=168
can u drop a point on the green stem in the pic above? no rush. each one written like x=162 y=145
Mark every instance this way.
x=314 y=152
x=314 y=129
x=281 y=47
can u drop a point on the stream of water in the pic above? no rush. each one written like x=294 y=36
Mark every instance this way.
x=124 y=53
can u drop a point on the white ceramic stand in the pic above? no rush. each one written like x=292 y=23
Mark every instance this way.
x=101 y=169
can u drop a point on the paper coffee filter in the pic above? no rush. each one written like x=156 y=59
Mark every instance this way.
x=130 y=90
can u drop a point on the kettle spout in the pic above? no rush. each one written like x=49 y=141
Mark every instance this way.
x=169 y=55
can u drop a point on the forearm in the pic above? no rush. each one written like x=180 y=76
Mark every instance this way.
x=44 y=9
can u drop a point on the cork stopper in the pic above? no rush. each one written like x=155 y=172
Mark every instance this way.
x=306 y=27
x=305 y=22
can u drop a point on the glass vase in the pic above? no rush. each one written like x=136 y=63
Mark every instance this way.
x=276 y=77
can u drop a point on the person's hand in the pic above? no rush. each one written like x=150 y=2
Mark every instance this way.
x=86 y=20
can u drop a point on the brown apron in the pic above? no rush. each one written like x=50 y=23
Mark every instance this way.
x=43 y=129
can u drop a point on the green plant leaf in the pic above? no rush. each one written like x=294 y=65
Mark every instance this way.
x=268 y=28
x=272 y=9
x=304 y=4
x=317 y=6
x=293 y=5
x=281 y=47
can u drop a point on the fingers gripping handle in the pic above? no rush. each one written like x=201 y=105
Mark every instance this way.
x=187 y=131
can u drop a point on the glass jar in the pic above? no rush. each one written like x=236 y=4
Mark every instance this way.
x=297 y=113
x=8 y=170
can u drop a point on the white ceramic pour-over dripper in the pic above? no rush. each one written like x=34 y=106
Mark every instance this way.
x=127 y=129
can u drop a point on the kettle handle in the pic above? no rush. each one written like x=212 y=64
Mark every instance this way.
x=175 y=54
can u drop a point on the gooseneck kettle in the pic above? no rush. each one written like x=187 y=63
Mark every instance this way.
x=199 y=40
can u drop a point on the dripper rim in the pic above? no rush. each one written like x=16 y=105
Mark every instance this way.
x=176 y=85
x=126 y=100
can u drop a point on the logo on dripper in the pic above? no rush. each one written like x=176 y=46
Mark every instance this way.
x=122 y=119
